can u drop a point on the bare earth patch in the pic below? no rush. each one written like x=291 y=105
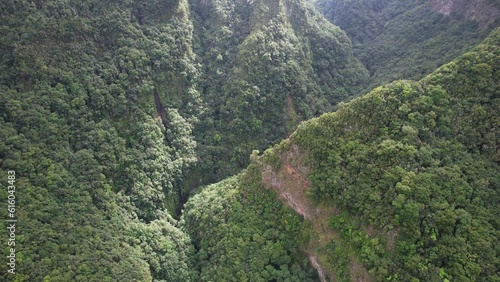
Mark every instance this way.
x=291 y=185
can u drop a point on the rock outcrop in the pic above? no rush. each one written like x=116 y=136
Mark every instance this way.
x=483 y=11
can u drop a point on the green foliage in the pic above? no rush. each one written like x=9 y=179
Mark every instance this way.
x=267 y=65
x=96 y=169
x=166 y=249
x=416 y=159
x=402 y=39
x=101 y=161
x=243 y=234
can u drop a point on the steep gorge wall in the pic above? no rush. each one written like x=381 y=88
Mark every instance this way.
x=486 y=12
x=407 y=39
x=266 y=65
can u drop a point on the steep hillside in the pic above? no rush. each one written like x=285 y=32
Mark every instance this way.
x=98 y=102
x=96 y=169
x=267 y=65
x=411 y=38
x=242 y=233
x=112 y=111
x=486 y=12
x=398 y=185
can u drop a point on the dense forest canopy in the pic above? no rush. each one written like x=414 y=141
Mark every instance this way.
x=420 y=159
x=119 y=119
x=97 y=173
x=267 y=65
x=402 y=39
x=398 y=185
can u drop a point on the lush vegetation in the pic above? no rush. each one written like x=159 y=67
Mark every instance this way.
x=111 y=112
x=267 y=65
x=403 y=184
x=402 y=39
x=412 y=173
x=243 y=234
x=98 y=103
x=96 y=172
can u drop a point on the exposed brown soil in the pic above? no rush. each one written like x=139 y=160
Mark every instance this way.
x=315 y=264
x=291 y=185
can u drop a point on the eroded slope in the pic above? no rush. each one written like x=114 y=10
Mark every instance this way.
x=400 y=184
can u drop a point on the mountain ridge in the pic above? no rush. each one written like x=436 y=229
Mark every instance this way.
x=483 y=11
x=112 y=112
x=267 y=65
x=409 y=39
x=399 y=184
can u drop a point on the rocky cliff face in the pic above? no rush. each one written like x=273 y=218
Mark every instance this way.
x=486 y=12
